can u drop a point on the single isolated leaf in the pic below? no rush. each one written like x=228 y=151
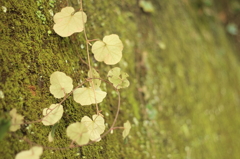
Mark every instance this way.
x=52 y=133
x=95 y=126
x=34 y=153
x=127 y=127
x=50 y=137
x=67 y=22
x=52 y=114
x=16 y=120
x=96 y=82
x=146 y=6
x=4 y=127
x=86 y=96
x=60 y=84
x=54 y=129
x=109 y=50
x=78 y=133
x=118 y=78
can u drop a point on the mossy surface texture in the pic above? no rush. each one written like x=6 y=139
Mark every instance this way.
x=183 y=101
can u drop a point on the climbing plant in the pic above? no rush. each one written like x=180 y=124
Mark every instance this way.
x=89 y=129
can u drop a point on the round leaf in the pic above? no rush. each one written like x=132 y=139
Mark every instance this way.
x=109 y=50
x=52 y=114
x=60 y=84
x=78 y=133
x=95 y=126
x=88 y=96
x=67 y=22
x=34 y=153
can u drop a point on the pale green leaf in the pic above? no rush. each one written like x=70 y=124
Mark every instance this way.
x=147 y=6
x=118 y=78
x=50 y=137
x=52 y=132
x=34 y=153
x=61 y=84
x=95 y=126
x=52 y=114
x=67 y=22
x=54 y=129
x=78 y=133
x=96 y=82
x=109 y=50
x=16 y=120
x=127 y=127
x=88 y=96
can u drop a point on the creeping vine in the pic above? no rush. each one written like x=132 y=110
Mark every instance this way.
x=89 y=130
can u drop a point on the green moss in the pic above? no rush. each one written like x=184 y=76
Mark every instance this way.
x=28 y=61
x=188 y=84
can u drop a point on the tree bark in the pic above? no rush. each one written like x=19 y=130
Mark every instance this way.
x=178 y=62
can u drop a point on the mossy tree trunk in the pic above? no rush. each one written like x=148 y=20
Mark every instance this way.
x=184 y=94
x=31 y=51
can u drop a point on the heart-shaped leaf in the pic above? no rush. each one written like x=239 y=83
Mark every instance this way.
x=78 y=133
x=60 y=84
x=95 y=126
x=109 y=50
x=67 y=22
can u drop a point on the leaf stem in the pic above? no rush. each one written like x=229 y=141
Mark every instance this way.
x=89 y=62
x=92 y=83
x=65 y=97
x=108 y=131
x=117 y=128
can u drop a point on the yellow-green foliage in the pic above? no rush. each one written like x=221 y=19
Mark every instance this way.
x=192 y=84
x=31 y=51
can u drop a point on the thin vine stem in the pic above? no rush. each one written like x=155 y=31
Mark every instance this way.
x=88 y=56
x=118 y=128
x=65 y=97
x=98 y=112
x=103 y=135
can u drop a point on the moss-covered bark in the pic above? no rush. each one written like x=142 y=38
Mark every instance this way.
x=31 y=51
x=183 y=100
